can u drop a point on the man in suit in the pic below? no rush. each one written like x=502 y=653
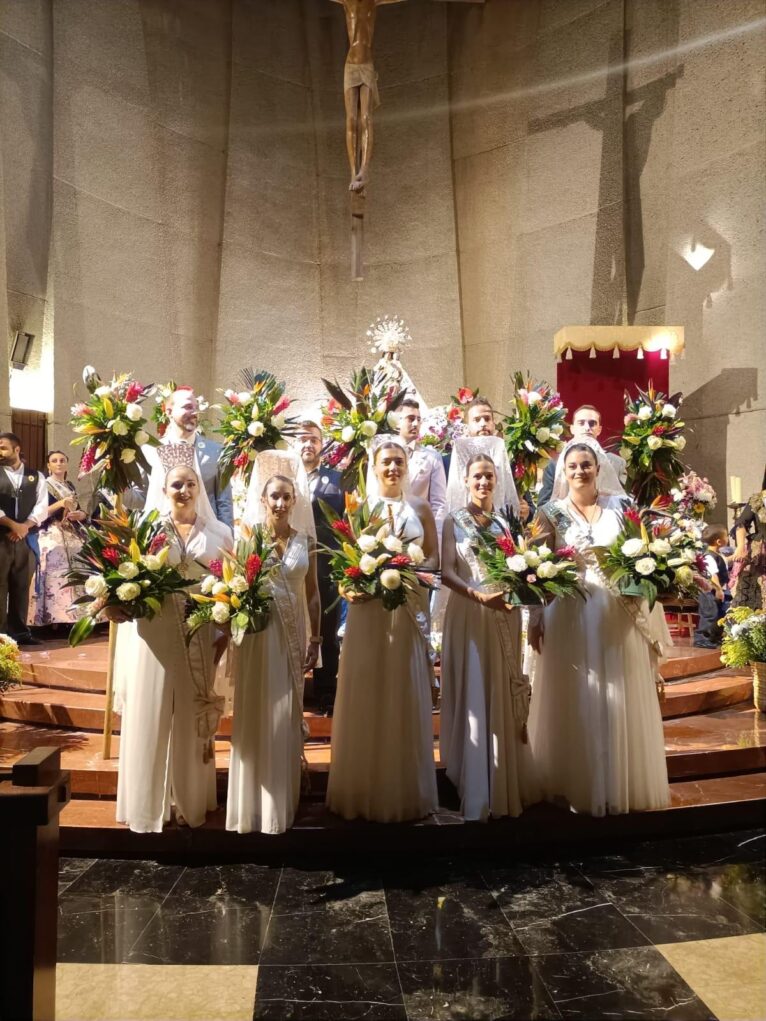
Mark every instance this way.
x=23 y=508
x=586 y=422
x=428 y=480
x=325 y=485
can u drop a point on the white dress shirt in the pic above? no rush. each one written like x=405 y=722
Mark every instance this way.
x=40 y=510
x=428 y=480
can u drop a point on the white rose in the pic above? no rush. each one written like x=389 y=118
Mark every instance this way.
x=128 y=455
x=632 y=547
x=415 y=553
x=255 y=412
x=127 y=591
x=645 y=412
x=127 y=569
x=238 y=424
x=220 y=612
x=219 y=588
x=516 y=563
x=390 y=579
x=256 y=428
x=547 y=569
x=133 y=412
x=557 y=430
x=239 y=583
x=393 y=544
x=206 y=586
x=626 y=453
x=141 y=437
x=368 y=428
x=533 y=397
x=367 y=543
x=680 y=443
x=278 y=421
x=684 y=575
x=392 y=419
x=151 y=562
x=676 y=562
x=669 y=411
x=646 y=565
x=245 y=397
x=368 y=564
x=348 y=434
x=653 y=442
x=531 y=557
x=96 y=586
x=544 y=550
x=102 y=391
x=118 y=427
x=661 y=547
x=543 y=434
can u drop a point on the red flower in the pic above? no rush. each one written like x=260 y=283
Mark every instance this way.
x=659 y=430
x=518 y=470
x=158 y=542
x=464 y=395
x=632 y=515
x=233 y=399
x=282 y=405
x=701 y=565
x=567 y=552
x=87 y=460
x=343 y=528
x=337 y=454
x=241 y=460
x=400 y=560
x=216 y=567
x=507 y=545
x=454 y=414
x=80 y=410
x=252 y=567
x=353 y=572
x=134 y=391
x=111 y=556
x=162 y=428
x=332 y=406
x=555 y=401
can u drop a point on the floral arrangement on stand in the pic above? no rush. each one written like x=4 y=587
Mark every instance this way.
x=528 y=572
x=123 y=563
x=112 y=427
x=533 y=429
x=744 y=644
x=372 y=560
x=654 y=555
x=694 y=496
x=160 y=415
x=651 y=442
x=441 y=426
x=235 y=593
x=252 y=419
x=351 y=420
x=10 y=663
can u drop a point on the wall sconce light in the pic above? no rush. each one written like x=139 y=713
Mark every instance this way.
x=22 y=349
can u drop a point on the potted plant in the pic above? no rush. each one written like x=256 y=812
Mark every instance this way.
x=744 y=642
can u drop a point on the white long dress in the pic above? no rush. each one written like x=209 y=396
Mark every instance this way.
x=169 y=708
x=382 y=760
x=485 y=696
x=595 y=721
x=267 y=742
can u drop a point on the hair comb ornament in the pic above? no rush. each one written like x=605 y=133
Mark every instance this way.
x=174 y=455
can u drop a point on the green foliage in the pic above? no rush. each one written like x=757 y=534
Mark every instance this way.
x=744 y=637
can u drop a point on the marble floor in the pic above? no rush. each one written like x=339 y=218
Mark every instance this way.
x=666 y=929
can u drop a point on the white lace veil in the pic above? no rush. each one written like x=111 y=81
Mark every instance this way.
x=608 y=482
x=371 y=483
x=466 y=447
x=280 y=462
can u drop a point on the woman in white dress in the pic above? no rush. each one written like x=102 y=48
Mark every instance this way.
x=267 y=732
x=595 y=722
x=382 y=761
x=485 y=695
x=170 y=711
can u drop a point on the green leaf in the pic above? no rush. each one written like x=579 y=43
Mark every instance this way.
x=81 y=630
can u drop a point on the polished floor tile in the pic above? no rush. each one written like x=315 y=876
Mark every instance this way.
x=145 y=878
x=329 y=991
x=437 y=914
x=728 y=974
x=135 y=992
x=71 y=869
x=636 y=982
x=553 y=909
x=328 y=918
x=489 y=988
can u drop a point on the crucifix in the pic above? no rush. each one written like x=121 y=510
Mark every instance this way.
x=360 y=93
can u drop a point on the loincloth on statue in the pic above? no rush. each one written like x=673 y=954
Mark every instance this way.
x=355 y=75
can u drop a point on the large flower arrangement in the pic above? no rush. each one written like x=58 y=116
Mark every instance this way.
x=533 y=429
x=10 y=662
x=654 y=555
x=112 y=427
x=160 y=414
x=528 y=572
x=694 y=496
x=351 y=420
x=253 y=419
x=371 y=559
x=122 y=563
x=744 y=637
x=441 y=426
x=235 y=593
x=651 y=441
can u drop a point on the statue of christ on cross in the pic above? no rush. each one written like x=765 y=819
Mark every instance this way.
x=360 y=86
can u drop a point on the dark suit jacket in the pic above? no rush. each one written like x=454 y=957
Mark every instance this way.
x=549 y=477
x=328 y=489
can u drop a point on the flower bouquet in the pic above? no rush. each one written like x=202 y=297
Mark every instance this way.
x=529 y=572
x=234 y=594
x=441 y=426
x=654 y=555
x=253 y=419
x=533 y=429
x=10 y=662
x=651 y=441
x=372 y=560
x=160 y=415
x=112 y=426
x=122 y=563
x=352 y=419
x=694 y=496
x=744 y=642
